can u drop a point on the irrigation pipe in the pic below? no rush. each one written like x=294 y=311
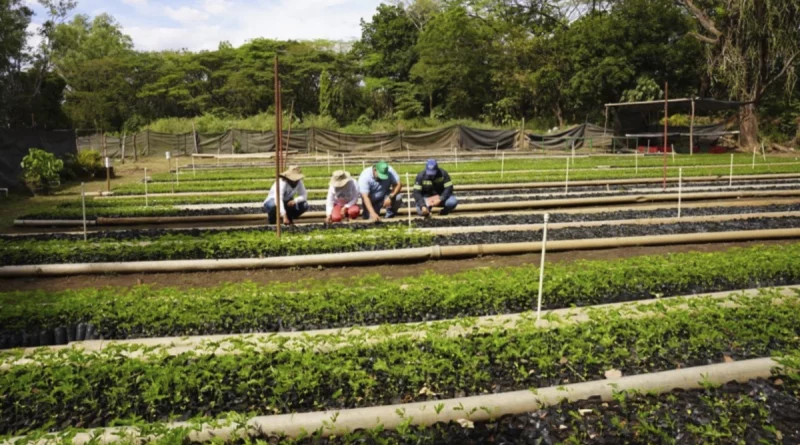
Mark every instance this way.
x=388 y=256
x=475 y=409
x=552 y=319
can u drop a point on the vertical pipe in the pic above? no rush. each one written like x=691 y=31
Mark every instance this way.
x=730 y=178
x=83 y=205
x=673 y=153
x=754 y=157
x=541 y=268
x=680 y=190
x=408 y=186
x=566 y=181
x=691 y=131
x=145 y=187
x=666 y=124
x=573 y=152
x=363 y=165
x=278 y=143
x=108 y=175
x=636 y=156
x=503 y=166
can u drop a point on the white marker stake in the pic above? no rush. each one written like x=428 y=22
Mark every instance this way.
x=541 y=268
x=177 y=173
x=730 y=181
x=408 y=185
x=83 y=204
x=680 y=190
x=636 y=155
x=754 y=158
x=566 y=181
x=363 y=165
x=456 y=158
x=503 y=166
x=145 y=187
x=573 y=152
x=496 y=150
x=673 y=153
x=194 y=169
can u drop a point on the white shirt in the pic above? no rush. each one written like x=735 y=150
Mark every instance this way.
x=288 y=193
x=346 y=196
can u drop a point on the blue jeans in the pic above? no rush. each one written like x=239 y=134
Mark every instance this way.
x=448 y=206
x=378 y=205
x=292 y=212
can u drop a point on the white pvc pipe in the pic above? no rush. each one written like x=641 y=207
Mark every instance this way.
x=541 y=267
x=408 y=187
x=680 y=190
x=566 y=180
x=146 y=203
x=482 y=408
x=730 y=177
x=83 y=206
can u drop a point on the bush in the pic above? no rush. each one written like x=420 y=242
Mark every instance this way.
x=86 y=165
x=40 y=170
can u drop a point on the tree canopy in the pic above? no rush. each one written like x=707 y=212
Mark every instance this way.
x=548 y=62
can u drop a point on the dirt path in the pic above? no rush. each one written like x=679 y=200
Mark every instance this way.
x=265 y=276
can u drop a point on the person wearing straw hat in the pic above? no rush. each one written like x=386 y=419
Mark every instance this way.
x=342 y=199
x=380 y=187
x=434 y=188
x=294 y=194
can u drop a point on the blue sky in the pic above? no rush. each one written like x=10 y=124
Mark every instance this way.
x=202 y=24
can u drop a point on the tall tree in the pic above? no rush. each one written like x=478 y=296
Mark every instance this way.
x=14 y=20
x=752 y=45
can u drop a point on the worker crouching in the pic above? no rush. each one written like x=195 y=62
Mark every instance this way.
x=342 y=200
x=434 y=188
x=294 y=194
x=380 y=187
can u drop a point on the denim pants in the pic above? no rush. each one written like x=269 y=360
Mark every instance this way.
x=447 y=206
x=378 y=205
x=292 y=212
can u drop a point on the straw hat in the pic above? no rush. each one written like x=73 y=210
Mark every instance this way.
x=340 y=178
x=293 y=173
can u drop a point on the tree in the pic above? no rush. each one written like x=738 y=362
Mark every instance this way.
x=14 y=20
x=753 y=45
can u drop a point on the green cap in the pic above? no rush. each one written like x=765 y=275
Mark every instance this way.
x=383 y=170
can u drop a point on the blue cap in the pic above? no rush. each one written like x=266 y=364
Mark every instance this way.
x=431 y=168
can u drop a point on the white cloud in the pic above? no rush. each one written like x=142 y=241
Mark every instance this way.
x=217 y=6
x=137 y=3
x=185 y=14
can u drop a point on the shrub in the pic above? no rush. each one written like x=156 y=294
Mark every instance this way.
x=40 y=170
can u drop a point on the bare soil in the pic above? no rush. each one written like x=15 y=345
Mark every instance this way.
x=266 y=276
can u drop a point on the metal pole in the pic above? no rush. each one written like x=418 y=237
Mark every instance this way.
x=754 y=157
x=108 y=175
x=408 y=186
x=278 y=144
x=145 y=187
x=680 y=190
x=566 y=181
x=503 y=166
x=573 y=152
x=666 y=124
x=541 y=268
x=83 y=204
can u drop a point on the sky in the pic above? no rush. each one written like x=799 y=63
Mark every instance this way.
x=201 y=24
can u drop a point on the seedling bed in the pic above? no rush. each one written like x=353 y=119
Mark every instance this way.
x=79 y=389
x=489 y=178
x=41 y=318
x=261 y=243
x=124 y=210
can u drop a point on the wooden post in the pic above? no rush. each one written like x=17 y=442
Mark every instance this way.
x=691 y=132
x=278 y=144
x=666 y=126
